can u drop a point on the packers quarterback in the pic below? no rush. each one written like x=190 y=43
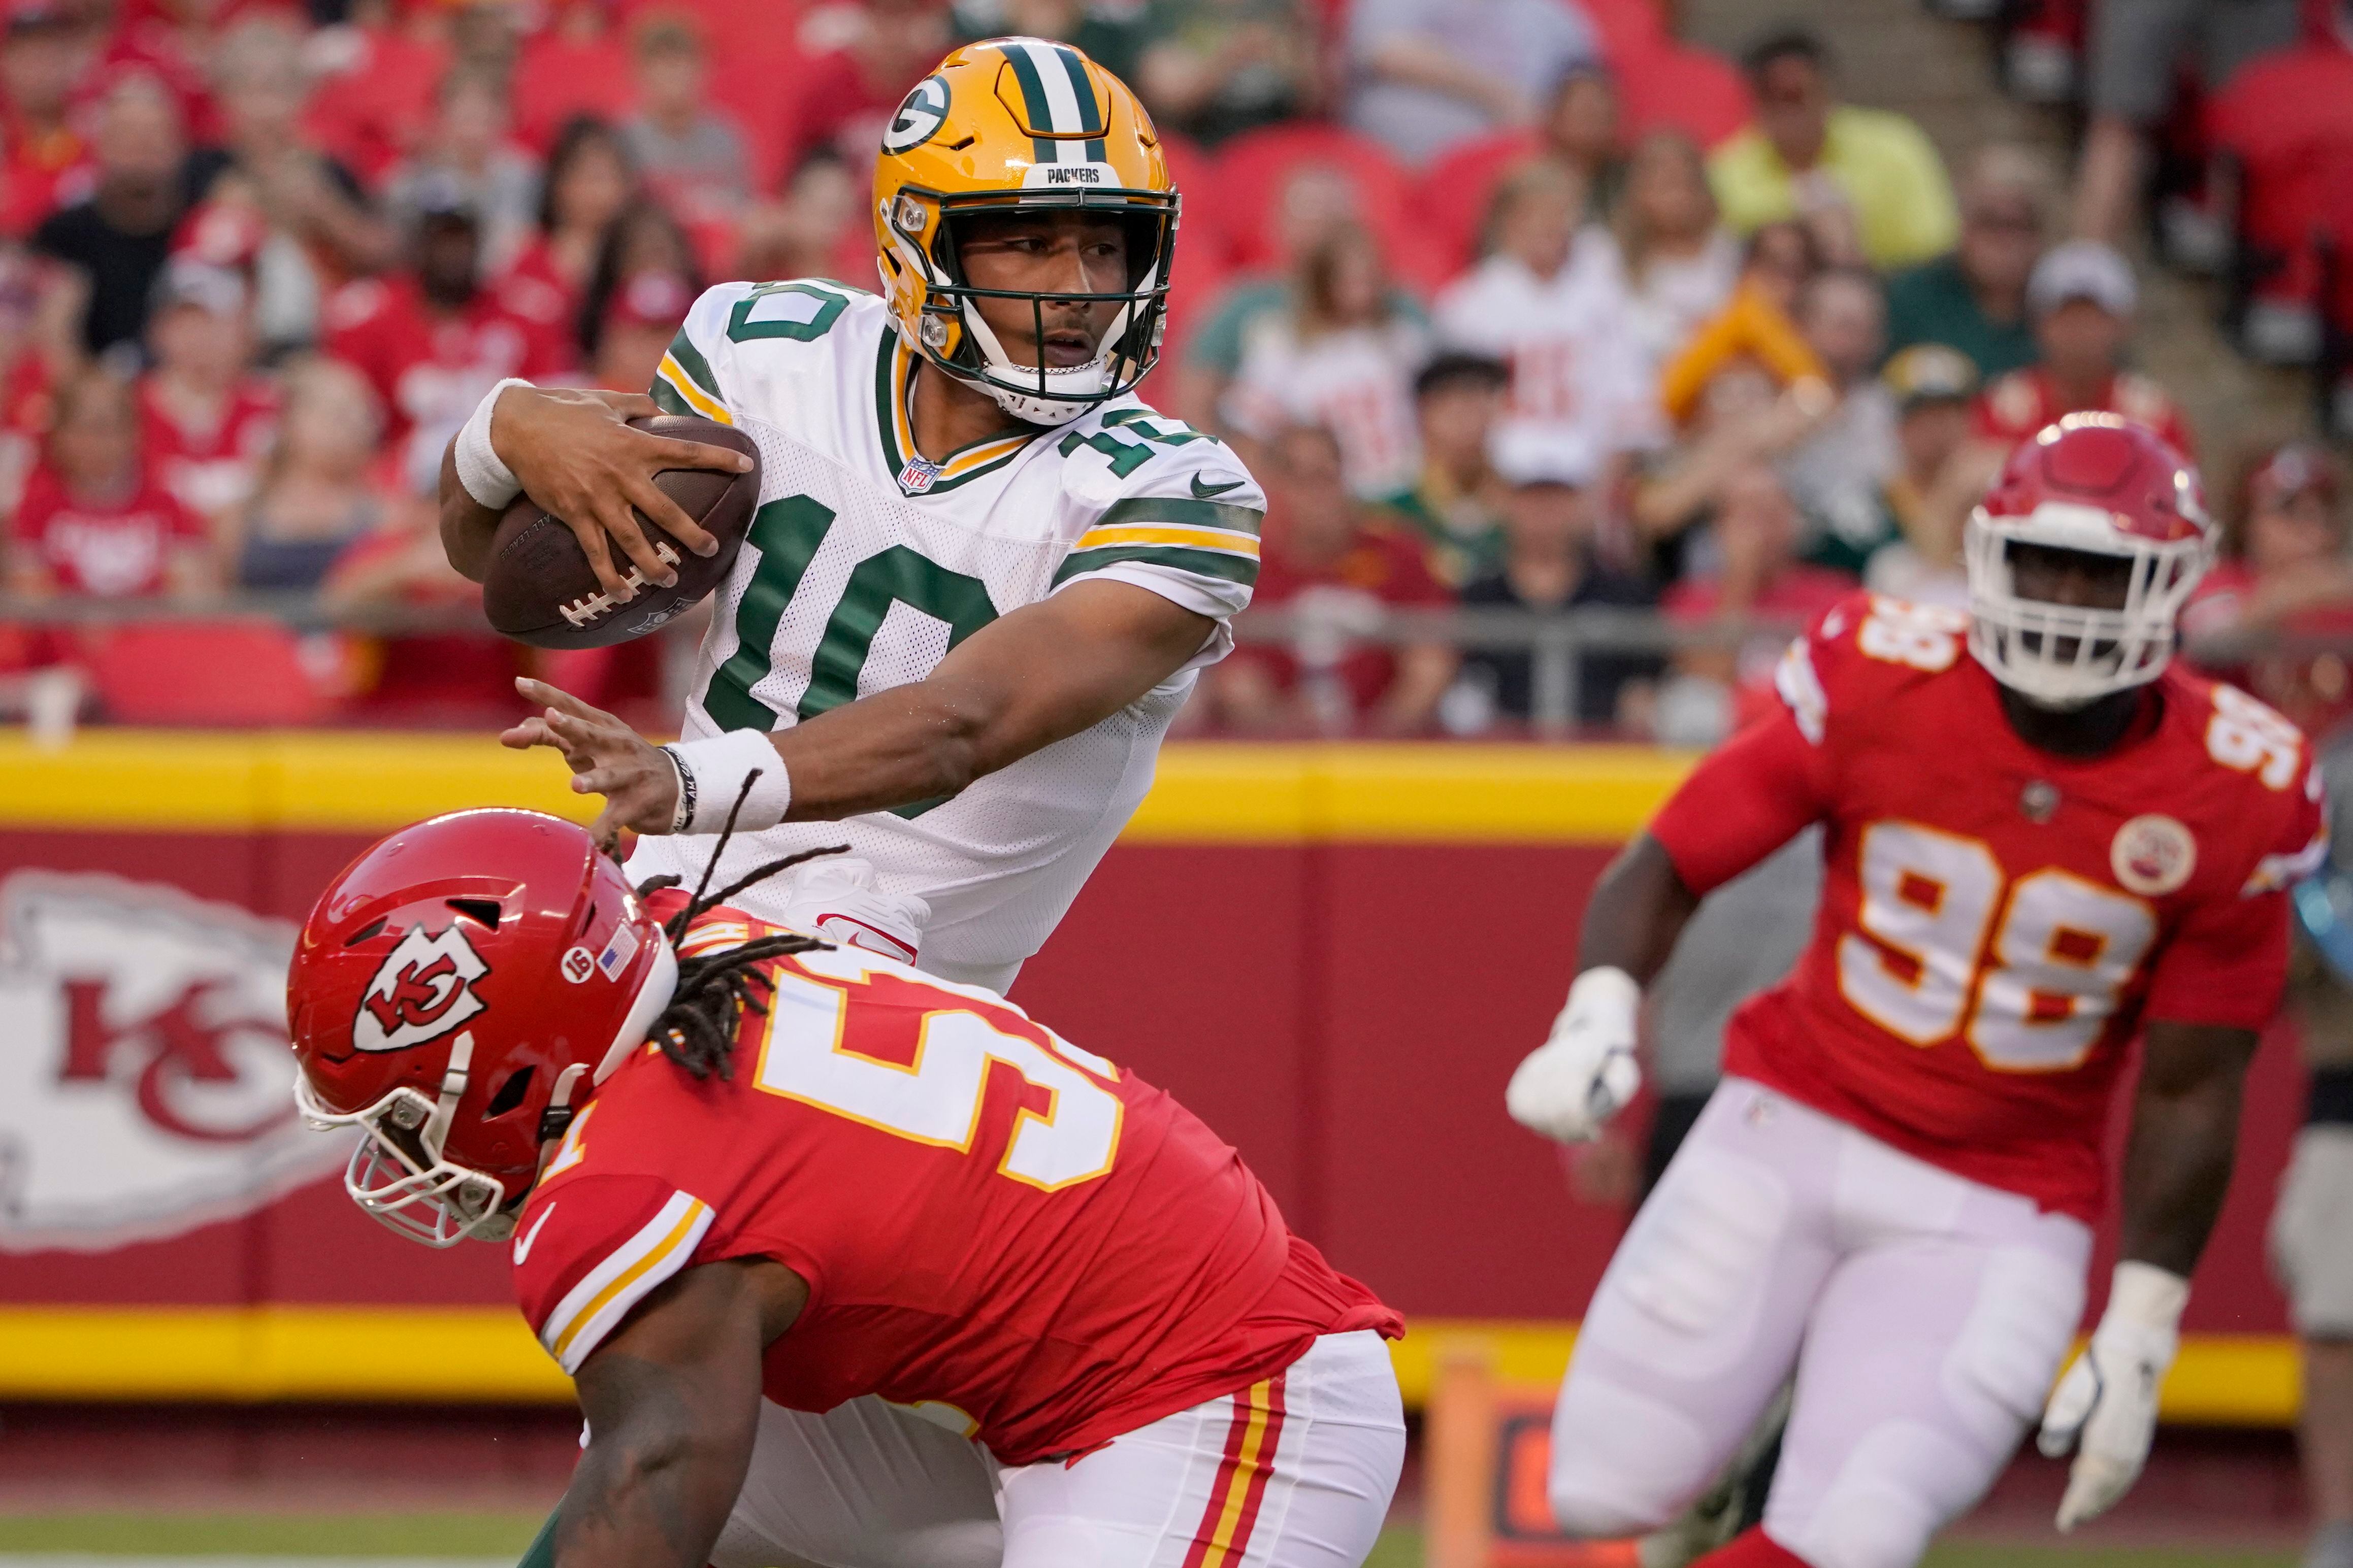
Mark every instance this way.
x=982 y=575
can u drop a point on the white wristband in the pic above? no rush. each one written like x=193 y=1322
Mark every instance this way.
x=486 y=479
x=710 y=775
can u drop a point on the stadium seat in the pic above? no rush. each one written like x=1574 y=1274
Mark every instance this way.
x=1694 y=90
x=1254 y=168
x=198 y=673
x=1456 y=189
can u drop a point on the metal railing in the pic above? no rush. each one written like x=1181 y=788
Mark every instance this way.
x=1557 y=643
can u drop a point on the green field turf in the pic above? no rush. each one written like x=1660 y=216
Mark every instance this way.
x=503 y=1534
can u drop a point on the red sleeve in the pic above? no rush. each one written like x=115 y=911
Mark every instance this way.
x=2227 y=963
x=591 y=1248
x=1754 y=793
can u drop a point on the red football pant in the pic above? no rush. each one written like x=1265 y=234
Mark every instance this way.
x=1752 y=1549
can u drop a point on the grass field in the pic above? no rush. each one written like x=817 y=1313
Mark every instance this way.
x=504 y=1535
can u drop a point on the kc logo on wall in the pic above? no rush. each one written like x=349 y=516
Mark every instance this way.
x=144 y=1074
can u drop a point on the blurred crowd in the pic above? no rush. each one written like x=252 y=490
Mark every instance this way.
x=1514 y=305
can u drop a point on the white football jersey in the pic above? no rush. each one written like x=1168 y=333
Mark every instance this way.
x=866 y=563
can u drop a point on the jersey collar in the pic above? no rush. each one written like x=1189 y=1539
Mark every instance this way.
x=894 y=385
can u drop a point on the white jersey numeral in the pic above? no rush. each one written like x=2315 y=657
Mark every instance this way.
x=2245 y=735
x=2036 y=999
x=808 y=1055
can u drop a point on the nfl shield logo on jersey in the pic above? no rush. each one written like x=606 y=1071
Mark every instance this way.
x=143 y=1081
x=918 y=476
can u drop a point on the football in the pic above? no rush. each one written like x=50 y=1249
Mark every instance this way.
x=541 y=590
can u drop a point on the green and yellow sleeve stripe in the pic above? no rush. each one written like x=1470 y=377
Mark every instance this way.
x=685 y=384
x=1209 y=539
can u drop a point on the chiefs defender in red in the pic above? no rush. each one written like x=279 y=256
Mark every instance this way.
x=759 y=1189
x=2043 y=840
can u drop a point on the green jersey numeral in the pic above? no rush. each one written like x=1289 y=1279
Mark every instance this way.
x=743 y=328
x=1126 y=457
x=788 y=532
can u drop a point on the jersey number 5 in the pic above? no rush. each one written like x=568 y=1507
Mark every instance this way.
x=2035 y=999
x=810 y=1054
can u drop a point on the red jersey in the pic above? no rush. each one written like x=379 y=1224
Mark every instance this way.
x=210 y=471
x=113 y=550
x=1005 y=1231
x=430 y=367
x=2024 y=401
x=1997 y=921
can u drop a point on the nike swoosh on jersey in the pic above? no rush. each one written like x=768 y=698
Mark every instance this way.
x=1205 y=491
x=522 y=1243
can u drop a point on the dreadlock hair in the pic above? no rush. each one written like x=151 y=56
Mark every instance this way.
x=697 y=1030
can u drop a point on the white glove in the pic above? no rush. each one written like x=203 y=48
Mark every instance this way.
x=1584 y=1073
x=841 y=898
x=2108 y=1397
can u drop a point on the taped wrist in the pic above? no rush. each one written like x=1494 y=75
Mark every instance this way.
x=479 y=469
x=1604 y=992
x=711 y=774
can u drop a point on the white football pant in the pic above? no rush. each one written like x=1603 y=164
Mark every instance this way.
x=1294 y=1472
x=1926 y=1316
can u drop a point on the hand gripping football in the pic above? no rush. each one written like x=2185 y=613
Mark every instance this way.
x=540 y=590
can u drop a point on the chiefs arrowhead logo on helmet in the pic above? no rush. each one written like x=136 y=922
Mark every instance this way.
x=424 y=989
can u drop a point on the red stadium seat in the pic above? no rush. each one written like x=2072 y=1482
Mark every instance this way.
x=1694 y=91
x=193 y=672
x=1456 y=189
x=1254 y=167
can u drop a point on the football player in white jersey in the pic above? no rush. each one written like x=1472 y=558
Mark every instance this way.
x=983 y=574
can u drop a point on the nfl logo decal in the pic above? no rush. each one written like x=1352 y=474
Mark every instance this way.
x=918 y=475
x=2153 y=855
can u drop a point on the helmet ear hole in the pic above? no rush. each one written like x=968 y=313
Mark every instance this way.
x=483 y=913
x=509 y=1094
x=372 y=929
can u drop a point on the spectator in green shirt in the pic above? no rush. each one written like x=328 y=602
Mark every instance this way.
x=1867 y=181
x=1974 y=299
x=1455 y=504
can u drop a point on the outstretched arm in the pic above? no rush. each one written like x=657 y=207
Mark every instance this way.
x=672 y=1402
x=1028 y=679
x=1638 y=910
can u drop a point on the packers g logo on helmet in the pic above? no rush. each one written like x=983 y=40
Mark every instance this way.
x=921 y=115
x=1021 y=125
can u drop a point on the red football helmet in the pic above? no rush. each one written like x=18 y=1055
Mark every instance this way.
x=449 y=992
x=2102 y=485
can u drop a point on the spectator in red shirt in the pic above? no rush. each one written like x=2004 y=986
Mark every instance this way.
x=1335 y=574
x=47 y=163
x=2082 y=299
x=431 y=342
x=588 y=182
x=29 y=360
x=207 y=418
x=572 y=67
x=93 y=520
x=376 y=79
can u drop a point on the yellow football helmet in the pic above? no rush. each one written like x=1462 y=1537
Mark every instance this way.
x=1022 y=124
